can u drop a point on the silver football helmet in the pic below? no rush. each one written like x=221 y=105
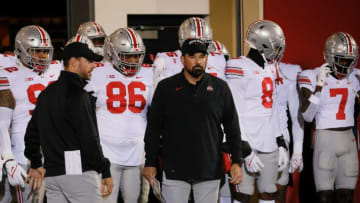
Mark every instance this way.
x=95 y=33
x=218 y=47
x=122 y=44
x=268 y=38
x=341 y=53
x=82 y=39
x=194 y=28
x=29 y=42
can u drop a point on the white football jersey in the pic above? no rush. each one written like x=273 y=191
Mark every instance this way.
x=337 y=99
x=288 y=99
x=167 y=64
x=26 y=85
x=121 y=107
x=253 y=89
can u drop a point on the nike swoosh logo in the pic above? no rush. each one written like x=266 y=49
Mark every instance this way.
x=178 y=88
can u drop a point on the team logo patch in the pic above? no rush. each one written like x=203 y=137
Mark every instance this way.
x=210 y=88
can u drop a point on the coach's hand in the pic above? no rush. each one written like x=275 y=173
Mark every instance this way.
x=35 y=177
x=236 y=174
x=106 y=186
x=149 y=173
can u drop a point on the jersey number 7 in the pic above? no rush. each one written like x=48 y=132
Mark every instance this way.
x=340 y=115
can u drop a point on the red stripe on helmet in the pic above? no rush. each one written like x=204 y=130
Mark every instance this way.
x=133 y=37
x=78 y=38
x=218 y=47
x=97 y=28
x=42 y=33
x=198 y=27
x=349 y=42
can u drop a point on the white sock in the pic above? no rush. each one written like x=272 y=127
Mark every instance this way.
x=225 y=199
x=266 y=201
x=235 y=201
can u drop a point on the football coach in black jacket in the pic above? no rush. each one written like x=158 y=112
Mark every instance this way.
x=64 y=126
x=187 y=112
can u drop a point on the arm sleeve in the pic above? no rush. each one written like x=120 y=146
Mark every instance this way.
x=154 y=127
x=159 y=70
x=231 y=126
x=5 y=143
x=282 y=110
x=294 y=109
x=237 y=87
x=32 y=139
x=82 y=118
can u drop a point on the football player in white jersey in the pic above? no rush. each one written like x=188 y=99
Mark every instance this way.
x=253 y=80
x=329 y=94
x=123 y=87
x=95 y=33
x=24 y=79
x=289 y=100
x=168 y=63
x=219 y=48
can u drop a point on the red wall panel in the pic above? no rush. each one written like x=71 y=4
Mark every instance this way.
x=308 y=23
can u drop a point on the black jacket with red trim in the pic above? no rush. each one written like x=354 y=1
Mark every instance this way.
x=187 y=119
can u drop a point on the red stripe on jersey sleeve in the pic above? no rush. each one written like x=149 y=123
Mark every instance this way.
x=4 y=81
x=236 y=71
x=304 y=80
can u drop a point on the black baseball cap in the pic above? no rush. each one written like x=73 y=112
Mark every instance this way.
x=192 y=46
x=79 y=49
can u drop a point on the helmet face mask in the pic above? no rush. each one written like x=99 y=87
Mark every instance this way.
x=268 y=38
x=194 y=28
x=33 y=47
x=40 y=58
x=341 y=53
x=131 y=63
x=125 y=50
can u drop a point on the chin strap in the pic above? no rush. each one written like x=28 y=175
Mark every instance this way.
x=279 y=80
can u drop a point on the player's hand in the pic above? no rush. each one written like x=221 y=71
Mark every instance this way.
x=106 y=186
x=253 y=163
x=35 y=177
x=296 y=162
x=283 y=158
x=235 y=173
x=149 y=173
x=323 y=74
x=15 y=173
